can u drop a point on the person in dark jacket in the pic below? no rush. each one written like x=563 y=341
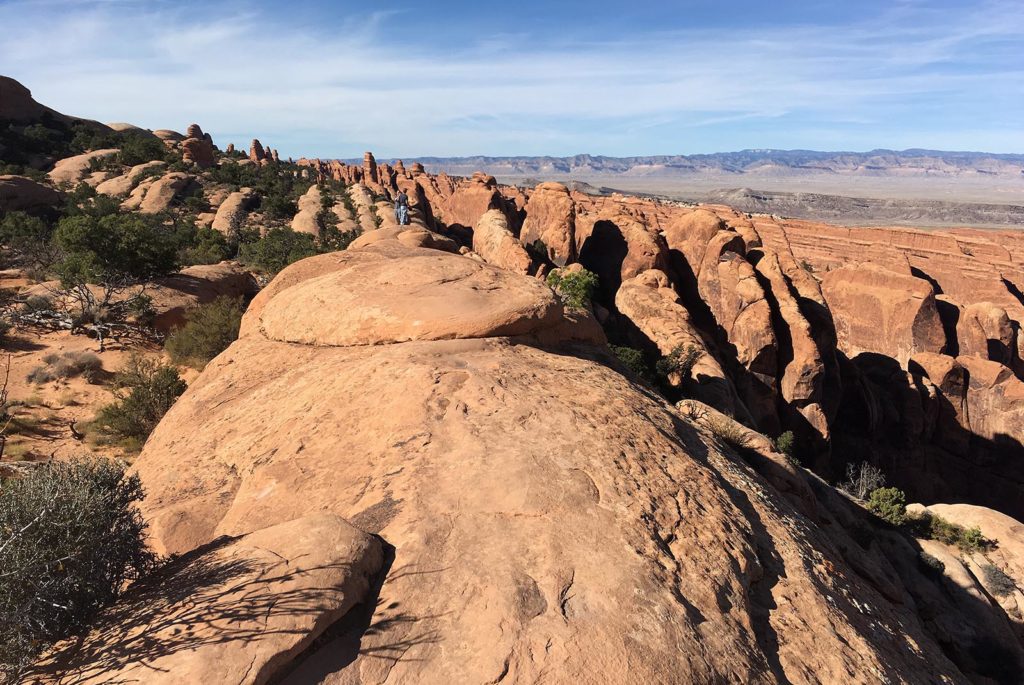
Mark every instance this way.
x=402 y=208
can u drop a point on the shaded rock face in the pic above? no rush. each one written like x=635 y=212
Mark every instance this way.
x=547 y=519
x=650 y=302
x=17 y=104
x=20 y=194
x=277 y=589
x=984 y=330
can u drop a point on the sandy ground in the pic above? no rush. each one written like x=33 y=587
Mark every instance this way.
x=43 y=413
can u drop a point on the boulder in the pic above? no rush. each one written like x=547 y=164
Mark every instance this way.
x=174 y=295
x=164 y=191
x=801 y=375
x=728 y=284
x=20 y=194
x=493 y=241
x=232 y=211
x=168 y=136
x=429 y=295
x=305 y=220
x=413 y=235
x=256 y=151
x=123 y=184
x=73 y=170
x=240 y=609
x=551 y=219
x=878 y=310
x=471 y=200
x=689 y=234
x=985 y=330
x=550 y=519
x=198 y=150
x=369 y=168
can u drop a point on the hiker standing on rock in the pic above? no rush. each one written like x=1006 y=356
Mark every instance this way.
x=402 y=208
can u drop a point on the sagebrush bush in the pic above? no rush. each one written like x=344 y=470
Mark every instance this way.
x=209 y=330
x=37 y=303
x=889 y=504
x=67 y=365
x=145 y=391
x=71 y=538
x=728 y=431
x=997 y=582
x=576 y=288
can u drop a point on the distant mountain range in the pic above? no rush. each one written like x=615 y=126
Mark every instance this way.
x=745 y=162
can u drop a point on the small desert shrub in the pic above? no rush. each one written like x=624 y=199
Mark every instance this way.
x=679 y=362
x=208 y=332
x=931 y=565
x=728 y=431
x=862 y=479
x=5 y=331
x=889 y=504
x=932 y=527
x=67 y=365
x=785 y=443
x=71 y=538
x=575 y=287
x=997 y=582
x=37 y=303
x=145 y=391
x=632 y=359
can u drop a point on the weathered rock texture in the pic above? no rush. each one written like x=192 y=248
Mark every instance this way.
x=813 y=327
x=240 y=609
x=547 y=519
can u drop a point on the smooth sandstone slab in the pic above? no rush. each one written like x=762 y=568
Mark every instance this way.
x=425 y=295
x=238 y=610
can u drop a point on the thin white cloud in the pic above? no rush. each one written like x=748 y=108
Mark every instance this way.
x=164 y=65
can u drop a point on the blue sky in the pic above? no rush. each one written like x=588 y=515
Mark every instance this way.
x=332 y=79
